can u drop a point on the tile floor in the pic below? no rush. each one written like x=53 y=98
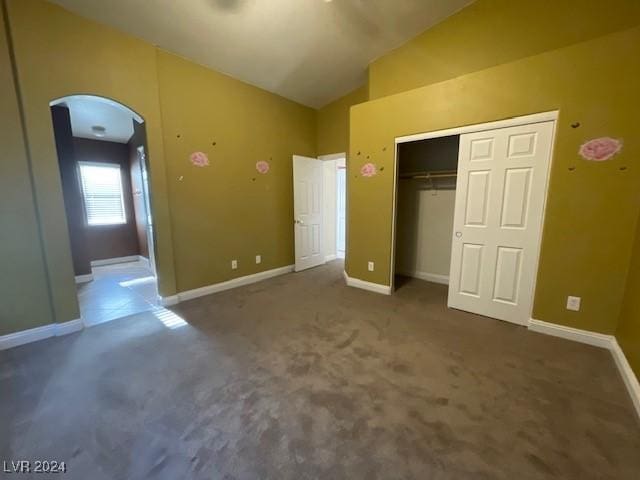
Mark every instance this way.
x=117 y=291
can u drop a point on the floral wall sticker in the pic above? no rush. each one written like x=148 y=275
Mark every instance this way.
x=368 y=170
x=600 y=149
x=262 y=167
x=199 y=159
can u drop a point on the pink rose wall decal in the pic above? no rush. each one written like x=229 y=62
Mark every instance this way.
x=600 y=149
x=368 y=170
x=199 y=159
x=262 y=167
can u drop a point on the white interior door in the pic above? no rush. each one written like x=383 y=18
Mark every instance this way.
x=500 y=195
x=307 y=211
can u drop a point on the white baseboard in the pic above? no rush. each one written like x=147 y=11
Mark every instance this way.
x=145 y=261
x=428 y=277
x=66 y=328
x=329 y=258
x=577 y=335
x=598 y=340
x=168 y=301
x=372 y=287
x=39 y=333
x=84 y=278
x=233 y=283
x=113 y=261
x=630 y=379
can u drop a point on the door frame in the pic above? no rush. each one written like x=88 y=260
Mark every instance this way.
x=146 y=197
x=337 y=157
x=542 y=117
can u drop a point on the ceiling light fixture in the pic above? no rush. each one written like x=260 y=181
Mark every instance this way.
x=98 y=130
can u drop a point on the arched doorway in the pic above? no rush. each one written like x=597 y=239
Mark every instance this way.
x=101 y=147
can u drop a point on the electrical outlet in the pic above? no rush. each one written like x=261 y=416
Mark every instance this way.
x=371 y=266
x=258 y=259
x=234 y=264
x=573 y=303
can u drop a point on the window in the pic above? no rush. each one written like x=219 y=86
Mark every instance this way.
x=102 y=193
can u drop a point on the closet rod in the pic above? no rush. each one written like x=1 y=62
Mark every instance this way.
x=430 y=175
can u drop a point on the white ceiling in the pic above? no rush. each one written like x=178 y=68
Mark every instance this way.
x=88 y=111
x=310 y=51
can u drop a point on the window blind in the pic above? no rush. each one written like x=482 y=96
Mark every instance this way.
x=102 y=193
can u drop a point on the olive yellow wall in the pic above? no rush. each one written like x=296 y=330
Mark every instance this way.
x=24 y=295
x=217 y=213
x=58 y=54
x=493 y=32
x=333 y=122
x=591 y=211
x=628 y=332
x=228 y=210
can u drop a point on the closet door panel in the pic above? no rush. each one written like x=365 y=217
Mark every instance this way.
x=500 y=194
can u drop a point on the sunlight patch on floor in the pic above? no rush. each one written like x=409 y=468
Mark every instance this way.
x=169 y=319
x=137 y=281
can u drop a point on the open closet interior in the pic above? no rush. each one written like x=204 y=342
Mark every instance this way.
x=426 y=193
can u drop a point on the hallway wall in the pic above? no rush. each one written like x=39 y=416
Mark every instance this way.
x=198 y=229
x=20 y=242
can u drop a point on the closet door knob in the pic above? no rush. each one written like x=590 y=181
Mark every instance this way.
x=458 y=234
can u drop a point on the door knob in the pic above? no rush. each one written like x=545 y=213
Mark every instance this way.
x=458 y=234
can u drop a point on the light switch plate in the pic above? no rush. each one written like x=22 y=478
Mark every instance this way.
x=573 y=303
x=371 y=266
x=234 y=264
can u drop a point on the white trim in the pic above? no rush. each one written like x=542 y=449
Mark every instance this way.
x=630 y=379
x=333 y=156
x=113 y=261
x=577 y=335
x=372 y=287
x=509 y=122
x=145 y=261
x=608 y=342
x=66 y=328
x=96 y=98
x=84 y=278
x=428 y=277
x=168 y=301
x=233 y=283
x=545 y=202
x=39 y=333
x=329 y=258
x=394 y=220
x=551 y=116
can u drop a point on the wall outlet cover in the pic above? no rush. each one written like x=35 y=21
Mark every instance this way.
x=234 y=264
x=258 y=258
x=371 y=266
x=573 y=303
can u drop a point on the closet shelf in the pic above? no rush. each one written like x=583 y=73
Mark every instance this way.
x=429 y=175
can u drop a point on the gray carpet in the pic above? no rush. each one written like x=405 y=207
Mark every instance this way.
x=301 y=377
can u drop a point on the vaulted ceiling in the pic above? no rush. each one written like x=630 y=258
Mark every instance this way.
x=310 y=51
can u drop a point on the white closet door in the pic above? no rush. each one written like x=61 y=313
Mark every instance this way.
x=500 y=195
x=307 y=210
